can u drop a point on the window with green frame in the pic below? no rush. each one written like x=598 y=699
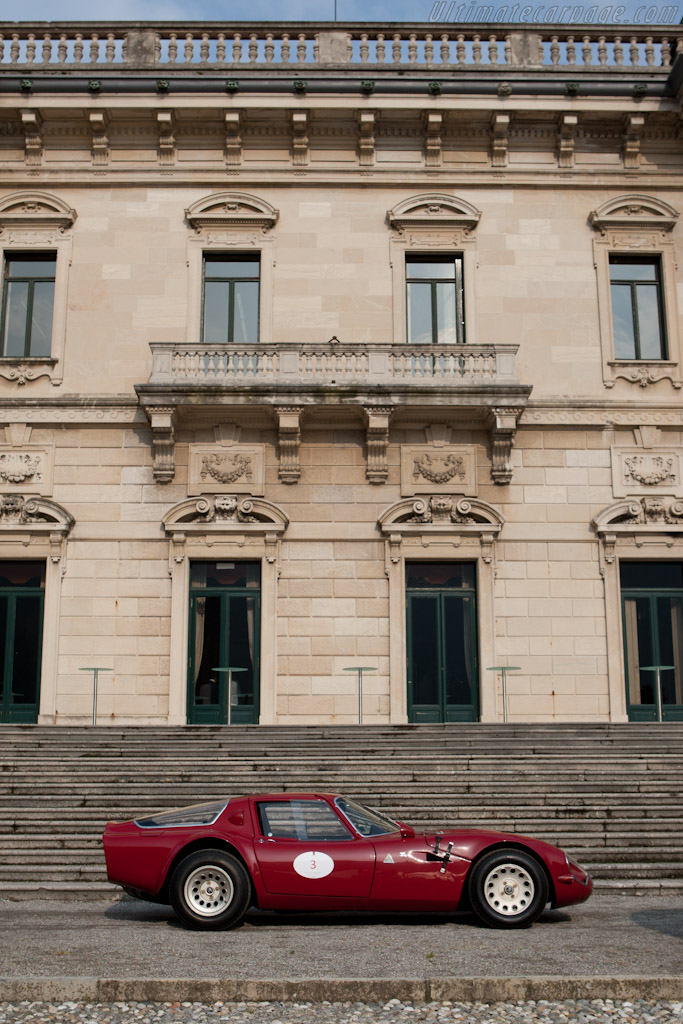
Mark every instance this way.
x=231 y=292
x=27 y=304
x=652 y=612
x=434 y=299
x=637 y=307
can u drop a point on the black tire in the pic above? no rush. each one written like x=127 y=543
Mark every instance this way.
x=210 y=889
x=508 y=889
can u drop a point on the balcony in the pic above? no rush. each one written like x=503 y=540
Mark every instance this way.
x=289 y=368
x=477 y=383
x=170 y=49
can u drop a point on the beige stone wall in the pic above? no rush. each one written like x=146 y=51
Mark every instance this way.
x=546 y=601
x=535 y=282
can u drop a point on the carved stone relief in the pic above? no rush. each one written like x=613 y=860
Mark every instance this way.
x=216 y=469
x=28 y=470
x=451 y=468
x=646 y=470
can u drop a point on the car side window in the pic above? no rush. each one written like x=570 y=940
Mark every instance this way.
x=305 y=820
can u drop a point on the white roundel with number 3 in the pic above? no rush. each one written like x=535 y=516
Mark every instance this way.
x=313 y=864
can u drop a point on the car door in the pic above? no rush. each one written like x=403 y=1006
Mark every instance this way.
x=304 y=849
x=410 y=874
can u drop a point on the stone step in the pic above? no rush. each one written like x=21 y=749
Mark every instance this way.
x=608 y=794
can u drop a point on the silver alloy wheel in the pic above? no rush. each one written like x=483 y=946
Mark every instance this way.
x=509 y=889
x=208 y=890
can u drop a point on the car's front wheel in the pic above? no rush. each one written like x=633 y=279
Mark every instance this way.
x=210 y=889
x=508 y=889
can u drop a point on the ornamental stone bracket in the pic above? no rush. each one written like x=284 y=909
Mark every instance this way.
x=502 y=428
x=35 y=521
x=377 y=440
x=289 y=443
x=226 y=518
x=639 y=522
x=163 y=441
x=440 y=519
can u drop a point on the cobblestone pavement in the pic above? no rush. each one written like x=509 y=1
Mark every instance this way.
x=596 y=1011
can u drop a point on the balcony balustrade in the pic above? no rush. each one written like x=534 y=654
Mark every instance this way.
x=164 y=48
x=301 y=366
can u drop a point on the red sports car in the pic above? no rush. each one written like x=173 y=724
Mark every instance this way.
x=313 y=851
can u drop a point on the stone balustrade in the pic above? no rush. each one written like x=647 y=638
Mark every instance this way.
x=263 y=46
x=332 y=364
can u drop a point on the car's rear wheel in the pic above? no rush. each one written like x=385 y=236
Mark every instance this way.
x=508 y=889
x=210 y=889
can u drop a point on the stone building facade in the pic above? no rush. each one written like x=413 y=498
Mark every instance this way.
x=326 y=349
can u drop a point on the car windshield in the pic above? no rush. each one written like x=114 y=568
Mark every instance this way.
x=197 y=814
x=365 y=821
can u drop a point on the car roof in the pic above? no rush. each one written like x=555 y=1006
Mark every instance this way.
x=293 y=796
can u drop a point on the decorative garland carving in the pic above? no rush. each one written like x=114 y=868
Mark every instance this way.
x=16 y=468
x=649 y=470
x=211 y=466
x=425 y=466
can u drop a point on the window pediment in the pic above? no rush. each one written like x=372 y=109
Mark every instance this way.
x=444 y=518
x=35 y=514
x=657 y=515
x=231 y=210
x=633 y=213
x=35 y=210
x=441 y=512
x=434 y=209
x=225 y=513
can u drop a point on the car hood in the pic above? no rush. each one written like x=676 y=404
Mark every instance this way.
x=467 y=842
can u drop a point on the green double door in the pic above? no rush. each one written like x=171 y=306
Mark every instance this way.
x=652 y=611
x=442 y=642
x=22 y=593
x=224 y=634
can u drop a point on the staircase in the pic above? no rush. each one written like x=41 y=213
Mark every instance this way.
x=611 y=795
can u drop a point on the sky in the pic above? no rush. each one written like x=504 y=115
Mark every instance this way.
x=599 y=12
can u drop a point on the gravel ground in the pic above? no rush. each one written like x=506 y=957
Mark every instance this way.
x=596 y=1011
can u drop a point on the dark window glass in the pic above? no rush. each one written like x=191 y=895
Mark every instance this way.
x=459 y=659
x=231 y=299
x=225 y=574
x=440 y=574
x=653 y=634
x=637 y=307
x=22 y=574
x=306 y=820
x=652 y=575
x=27 y=304
x=426 y=660
x=434 y=299
x=27 y=649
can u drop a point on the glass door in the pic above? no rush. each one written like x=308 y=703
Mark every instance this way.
x=652 y=611
x=22 y=591
x=224 y=634
x=442 y=642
